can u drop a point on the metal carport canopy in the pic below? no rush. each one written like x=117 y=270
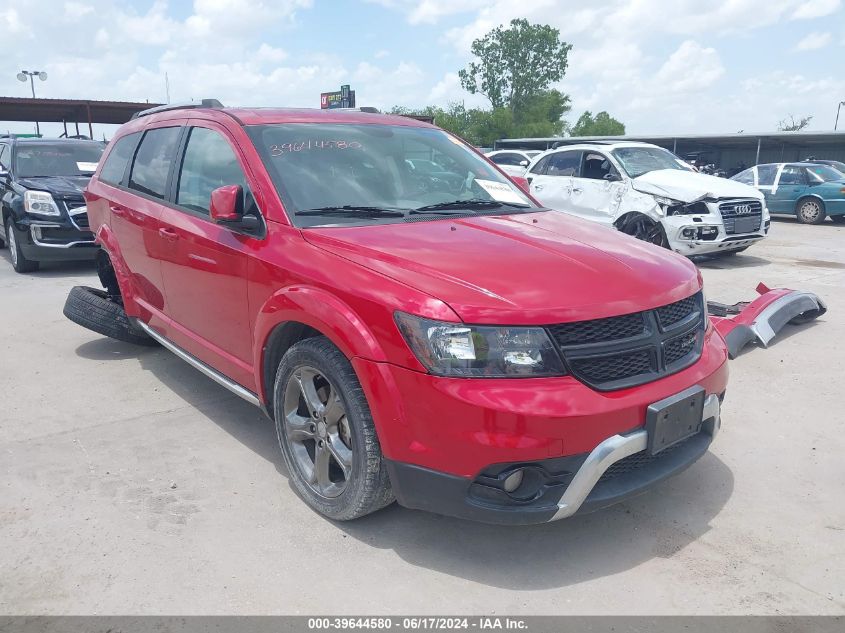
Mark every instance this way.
x=69 y=110
x=723 y=140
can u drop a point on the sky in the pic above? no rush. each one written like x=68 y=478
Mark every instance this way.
x=659 y=66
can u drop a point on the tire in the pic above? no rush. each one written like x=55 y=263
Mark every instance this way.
x=337 y=418
x=810 y=211
x=644 y=228
x=837 y=219
x=92 y=309
x=19 y=262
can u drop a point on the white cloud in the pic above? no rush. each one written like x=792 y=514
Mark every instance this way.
x=267 y=53
x=381 y=54
x=815 y=9
x=813 y=41
x=691 y=67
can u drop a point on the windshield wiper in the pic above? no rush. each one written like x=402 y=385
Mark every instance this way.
x=350 y=210
x=461 y=205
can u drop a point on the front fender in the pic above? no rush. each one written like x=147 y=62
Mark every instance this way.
x=106 y=239
x=320 y=310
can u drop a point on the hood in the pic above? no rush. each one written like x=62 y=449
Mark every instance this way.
x=528 y=269
x=686 y=186
x=59 y=186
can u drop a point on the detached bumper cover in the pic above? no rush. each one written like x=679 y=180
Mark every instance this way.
x=760 y=320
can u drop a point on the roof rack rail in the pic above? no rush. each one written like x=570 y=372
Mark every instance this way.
x=367 y=109
x=205 y=103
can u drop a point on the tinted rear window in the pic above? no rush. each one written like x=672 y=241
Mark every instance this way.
x=153 y=161
x=115 y=166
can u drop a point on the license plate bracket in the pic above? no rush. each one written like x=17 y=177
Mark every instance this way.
x=746 y=225
x=674 y=419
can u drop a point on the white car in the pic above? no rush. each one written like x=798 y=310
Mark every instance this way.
x=648 y=192
x=513 y=162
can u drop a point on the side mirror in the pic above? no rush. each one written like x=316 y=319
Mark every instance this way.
x=611 y=177
x=523 y=163
x=226 y=204
x=522 y=183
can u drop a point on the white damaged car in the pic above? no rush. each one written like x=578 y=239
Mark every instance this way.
x=648 y=192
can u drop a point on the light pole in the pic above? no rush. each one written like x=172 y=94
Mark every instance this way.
x=835 y=125
x=22 y=75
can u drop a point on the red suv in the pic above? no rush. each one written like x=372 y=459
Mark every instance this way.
x=433 y=336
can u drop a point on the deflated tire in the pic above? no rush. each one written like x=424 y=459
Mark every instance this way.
x=92 y=309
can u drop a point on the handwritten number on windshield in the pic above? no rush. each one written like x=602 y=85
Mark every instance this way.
x=286 y=148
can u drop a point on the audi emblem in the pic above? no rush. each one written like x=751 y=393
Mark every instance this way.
x=742 y=209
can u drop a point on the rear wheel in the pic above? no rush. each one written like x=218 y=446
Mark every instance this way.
x=326 y=432
x=810 y=211
x=19 y=261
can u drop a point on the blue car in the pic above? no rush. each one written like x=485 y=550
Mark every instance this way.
x=809 y=191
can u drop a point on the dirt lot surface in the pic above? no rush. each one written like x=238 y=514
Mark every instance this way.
x=130 y=483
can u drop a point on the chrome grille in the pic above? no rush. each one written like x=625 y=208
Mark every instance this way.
x=632 y=349
x=741 y=216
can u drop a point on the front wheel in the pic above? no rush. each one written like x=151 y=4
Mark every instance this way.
x=811 y=211
x=19 y=261
x=326 y=432
x=645 y=229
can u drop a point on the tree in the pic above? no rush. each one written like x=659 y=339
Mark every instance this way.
x=791 y=125
x=601 y=125
x=516 y=63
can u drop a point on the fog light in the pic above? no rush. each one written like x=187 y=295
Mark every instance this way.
x=513 y=481
x=688 y=233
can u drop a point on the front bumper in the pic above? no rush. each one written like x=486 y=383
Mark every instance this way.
x=45 y=240
x=440 y=434
x=615 y=470
x=676 y=226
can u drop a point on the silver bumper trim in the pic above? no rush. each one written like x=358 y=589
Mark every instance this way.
x=799 y=303
x=35 y=232
x=612 y=450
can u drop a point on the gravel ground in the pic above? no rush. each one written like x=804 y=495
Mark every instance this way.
x=130 y=483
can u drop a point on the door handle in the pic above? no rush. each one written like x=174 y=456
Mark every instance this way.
x=118 y=211
x=169 y=234
x=538 y=187
x=576 y=190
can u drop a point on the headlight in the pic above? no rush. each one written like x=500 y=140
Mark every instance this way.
x=455 y=349
x=40 y=202
x=666 y=202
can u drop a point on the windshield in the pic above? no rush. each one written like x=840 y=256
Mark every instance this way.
x=637 y=161
x=823 y=173
x=62 y=159
x=345 y=174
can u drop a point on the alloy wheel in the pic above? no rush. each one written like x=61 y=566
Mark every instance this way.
x=646 y=230
x=317 y=432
